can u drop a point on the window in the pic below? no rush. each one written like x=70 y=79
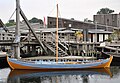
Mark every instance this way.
x=50 y=22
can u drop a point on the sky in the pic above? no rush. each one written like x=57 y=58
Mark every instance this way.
x=77 y=9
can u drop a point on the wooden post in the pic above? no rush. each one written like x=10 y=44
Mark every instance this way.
x=1 y=36
x=17 y=30
x=33 y=50
x=28 y=49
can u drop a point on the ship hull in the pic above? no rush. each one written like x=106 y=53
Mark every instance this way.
x=18 y=64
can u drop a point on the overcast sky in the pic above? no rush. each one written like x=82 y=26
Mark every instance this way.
x=77 y=9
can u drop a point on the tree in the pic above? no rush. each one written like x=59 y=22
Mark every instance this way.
x=79 y=36
x=87 y=20
x=116 y=34
x=33 y=20
x=105 y=11
x=36 y=20
x=109 y=38
x=10 y=23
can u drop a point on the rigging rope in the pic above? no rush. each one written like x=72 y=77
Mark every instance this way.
x=62 y=25
x=51 y=11
x=11 y=15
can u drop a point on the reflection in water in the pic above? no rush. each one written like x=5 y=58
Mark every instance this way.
x=85 y=78
x=115 y=71
x=31 y=76
x=4 y=74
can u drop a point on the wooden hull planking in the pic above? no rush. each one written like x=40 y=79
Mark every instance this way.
x=17 y=64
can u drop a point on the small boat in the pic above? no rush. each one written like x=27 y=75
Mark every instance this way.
x=50 y=65
x=57 y=65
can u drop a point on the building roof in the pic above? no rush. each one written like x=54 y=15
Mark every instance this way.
x=2 y=30
x=98 y=31
x=67 y=31
x=39 y=28
x=50 y=29
x=23 y=26
x=76 y=29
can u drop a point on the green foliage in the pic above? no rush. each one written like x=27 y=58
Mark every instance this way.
x=79 y=35
x=36 y=20
x=90 y=21
x=105 y=11
x=87 y=20
x=33 y=20
x=116 y=34
x=10 y=24
x=109 y=39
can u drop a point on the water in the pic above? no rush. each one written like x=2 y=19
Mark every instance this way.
x=111 y=75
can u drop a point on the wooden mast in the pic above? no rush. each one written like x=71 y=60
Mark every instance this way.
x=17 y=30
x=57 y=35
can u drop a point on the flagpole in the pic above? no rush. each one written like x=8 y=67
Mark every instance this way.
x=57 y=35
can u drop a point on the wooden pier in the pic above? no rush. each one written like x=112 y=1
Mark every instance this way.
x=29 y=44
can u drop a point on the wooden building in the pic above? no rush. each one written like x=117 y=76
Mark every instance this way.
x=108 y=19
x=68 y=23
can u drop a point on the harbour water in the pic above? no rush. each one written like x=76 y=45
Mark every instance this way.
x=111 y=75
